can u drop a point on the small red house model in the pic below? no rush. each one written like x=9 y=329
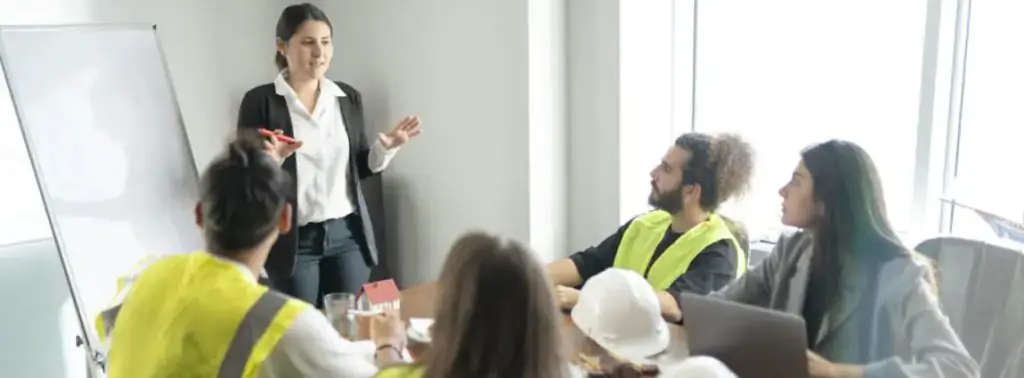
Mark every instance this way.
x=381 y=295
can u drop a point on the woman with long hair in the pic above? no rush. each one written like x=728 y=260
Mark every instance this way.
x=496 y=316
x=869 y=303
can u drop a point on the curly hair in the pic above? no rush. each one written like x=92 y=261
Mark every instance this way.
x=721 y=165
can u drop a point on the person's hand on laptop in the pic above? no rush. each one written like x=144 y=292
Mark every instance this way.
x=566 y=296
x=819 y=367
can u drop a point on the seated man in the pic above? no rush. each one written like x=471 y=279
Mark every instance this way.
x=204 y=315
x=682 y=245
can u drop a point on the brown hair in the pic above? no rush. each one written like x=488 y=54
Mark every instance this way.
x=292 y=17
x=721 y=165
x=496 y=314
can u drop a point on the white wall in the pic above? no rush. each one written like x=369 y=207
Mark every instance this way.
x=527 y=127
x=39 y=324
x=548 y=133
x=490 y=157
x=620 y=110
x=593 y=72
x=215 y=51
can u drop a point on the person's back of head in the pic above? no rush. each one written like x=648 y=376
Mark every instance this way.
x=243 y=199
x=496 y=314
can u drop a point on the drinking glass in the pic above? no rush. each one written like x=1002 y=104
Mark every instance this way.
x=340 y=309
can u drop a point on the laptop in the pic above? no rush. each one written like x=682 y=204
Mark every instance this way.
x=752 y=341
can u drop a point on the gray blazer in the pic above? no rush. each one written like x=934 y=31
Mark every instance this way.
x=907 y=335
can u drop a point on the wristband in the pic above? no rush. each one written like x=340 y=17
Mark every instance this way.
x=389 y=346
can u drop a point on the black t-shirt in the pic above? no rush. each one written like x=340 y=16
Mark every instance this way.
x=711 y=270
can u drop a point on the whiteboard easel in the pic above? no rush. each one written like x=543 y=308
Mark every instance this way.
x=111 y=159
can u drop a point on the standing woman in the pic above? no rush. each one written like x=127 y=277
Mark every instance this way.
x=334 y=247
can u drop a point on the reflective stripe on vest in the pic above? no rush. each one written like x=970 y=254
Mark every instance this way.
x=401 y=371
x=105 y=322
x=645 y=233
x=196 y=315
x=254 y=325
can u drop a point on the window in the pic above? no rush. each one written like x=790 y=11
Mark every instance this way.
x=991 y=129
x=785 y=75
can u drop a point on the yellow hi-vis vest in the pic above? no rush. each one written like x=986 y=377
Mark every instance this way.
x=194 y=315
x=401 y=371
x=645 y=233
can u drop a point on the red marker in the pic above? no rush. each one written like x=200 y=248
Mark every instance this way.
x=280 y=137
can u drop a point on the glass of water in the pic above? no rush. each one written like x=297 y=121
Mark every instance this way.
x=340 y=309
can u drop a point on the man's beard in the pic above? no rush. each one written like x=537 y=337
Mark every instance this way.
x=671 y=202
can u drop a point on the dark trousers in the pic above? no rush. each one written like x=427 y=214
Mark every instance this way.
x=330 y=259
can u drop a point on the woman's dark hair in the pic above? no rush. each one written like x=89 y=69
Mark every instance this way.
x=852 y=228
x=242 y=194
x=292 y=18
x=721 y=165
x=496 y=314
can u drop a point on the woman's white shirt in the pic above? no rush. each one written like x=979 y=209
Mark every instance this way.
x=322 y=162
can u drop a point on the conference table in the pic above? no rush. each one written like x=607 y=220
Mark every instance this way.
x=418 y=302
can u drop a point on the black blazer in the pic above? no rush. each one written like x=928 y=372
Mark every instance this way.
x=263 y=107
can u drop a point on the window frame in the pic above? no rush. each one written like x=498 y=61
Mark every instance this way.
x=943 y=64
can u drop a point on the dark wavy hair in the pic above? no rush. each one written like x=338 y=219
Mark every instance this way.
x=721 y=165
x=242 y=194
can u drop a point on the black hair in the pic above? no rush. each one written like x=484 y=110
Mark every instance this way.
x=292 y=17
x=852 y=226
x=242 y=194
x=721 y=165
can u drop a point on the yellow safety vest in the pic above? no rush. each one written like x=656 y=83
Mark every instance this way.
x=645 y=233
x=401 y=371
x=195 y=315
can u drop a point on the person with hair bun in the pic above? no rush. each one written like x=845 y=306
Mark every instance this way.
x=683 y=245
x=333 y=246
x=203 y=314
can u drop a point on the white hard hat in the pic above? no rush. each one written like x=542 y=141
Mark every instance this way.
x=699 y=367
x=619 y=310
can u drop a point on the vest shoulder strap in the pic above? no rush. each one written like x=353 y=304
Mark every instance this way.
x=655 y=219
x=636 y=247
x=675 y=261
x=259 y=332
